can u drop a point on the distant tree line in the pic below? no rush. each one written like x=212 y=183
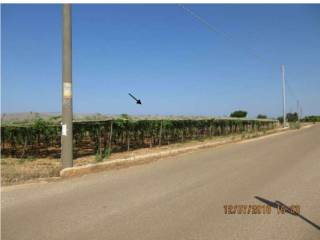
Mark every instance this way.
x=290 y=117
x=312 y=118
x=243 y=114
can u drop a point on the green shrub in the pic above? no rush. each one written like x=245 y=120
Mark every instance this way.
x=294 y=125
x=262 y=116
x=239 y=114
x=104 y=155
x=99 y=157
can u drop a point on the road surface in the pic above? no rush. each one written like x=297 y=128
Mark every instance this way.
x=180 y=197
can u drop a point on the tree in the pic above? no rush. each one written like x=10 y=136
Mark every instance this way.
x=292 y=117
x=280 y=119
x=261 y=116
x=239 y=114
x=125 y=116
x=312 y=118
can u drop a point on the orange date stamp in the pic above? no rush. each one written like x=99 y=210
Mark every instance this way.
x=259 y=209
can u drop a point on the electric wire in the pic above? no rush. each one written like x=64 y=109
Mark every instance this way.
x=231 y=38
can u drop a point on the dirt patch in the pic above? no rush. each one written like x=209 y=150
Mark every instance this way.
x=15 y=171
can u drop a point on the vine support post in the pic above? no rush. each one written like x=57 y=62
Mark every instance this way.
x=99 y=140
x=105 y=137
x=128 y=139
x=160 y=133
x=110 y=136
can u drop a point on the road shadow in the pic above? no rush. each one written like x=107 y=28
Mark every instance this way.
x=279 y=205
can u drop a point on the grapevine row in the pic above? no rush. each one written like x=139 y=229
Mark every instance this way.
x=42 y=138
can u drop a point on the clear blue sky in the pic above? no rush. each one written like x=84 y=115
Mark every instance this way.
x=164 y=56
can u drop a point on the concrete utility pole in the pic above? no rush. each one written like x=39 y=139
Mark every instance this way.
x=283 y=95
x=298 y=109
x=66 y=135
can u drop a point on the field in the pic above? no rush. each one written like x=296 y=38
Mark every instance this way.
x=32 y=150
x=42 y=138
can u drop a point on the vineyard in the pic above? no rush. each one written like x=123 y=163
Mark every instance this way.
x=42 y=138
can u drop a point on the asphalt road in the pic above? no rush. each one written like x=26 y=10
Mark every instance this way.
x=181 y=197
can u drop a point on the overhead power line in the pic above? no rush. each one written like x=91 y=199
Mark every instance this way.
x=231 y=38
x=224 y=33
